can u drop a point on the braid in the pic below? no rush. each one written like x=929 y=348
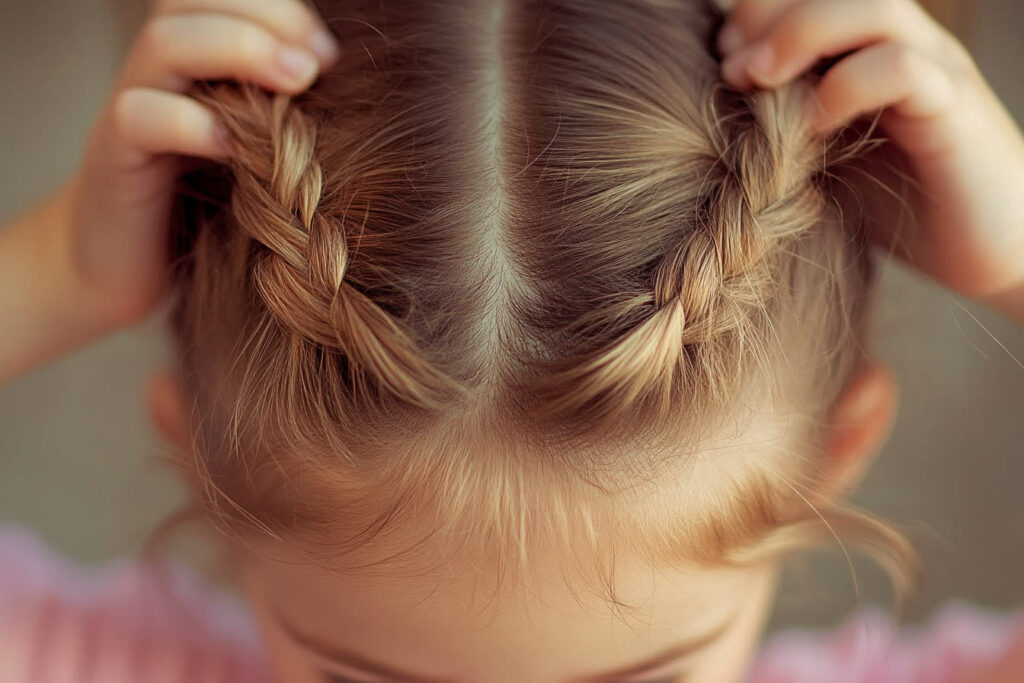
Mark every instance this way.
x=710 y=288
x=761 y=199
x=302 y=257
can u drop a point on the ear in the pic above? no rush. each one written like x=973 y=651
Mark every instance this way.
x=859 y=426
x=166 y=402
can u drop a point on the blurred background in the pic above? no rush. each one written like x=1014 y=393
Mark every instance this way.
x=78 y=461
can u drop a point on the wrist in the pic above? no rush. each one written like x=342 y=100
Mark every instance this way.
x=43 y=311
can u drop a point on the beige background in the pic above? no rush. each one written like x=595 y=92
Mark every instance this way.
x=78 y=459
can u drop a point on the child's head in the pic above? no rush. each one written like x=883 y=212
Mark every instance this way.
x=523 y=349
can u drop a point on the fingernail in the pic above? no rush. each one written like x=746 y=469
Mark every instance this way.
x=762 y=62
x=730 y=39
x=297 y=64
x=325 y=46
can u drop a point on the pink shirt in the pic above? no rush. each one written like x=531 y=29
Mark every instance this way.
x=130 y=623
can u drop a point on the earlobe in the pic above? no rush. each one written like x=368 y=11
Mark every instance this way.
x=859 y=427
x=166 y=402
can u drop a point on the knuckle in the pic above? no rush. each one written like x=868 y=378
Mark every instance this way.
x=800 y=26
x=249 y=44
x=745 y=15
x=123 y=110
x=887 y=12
x=123 y=105
x=157 y=35
x=301 y=18
x=771 y=12
x=959 y=56
x=905 y=62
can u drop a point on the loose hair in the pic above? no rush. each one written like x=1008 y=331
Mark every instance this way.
x=509 y=267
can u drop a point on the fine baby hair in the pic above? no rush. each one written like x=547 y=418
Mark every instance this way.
x=498 y=279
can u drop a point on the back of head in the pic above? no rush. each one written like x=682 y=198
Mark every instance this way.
x=508 y=257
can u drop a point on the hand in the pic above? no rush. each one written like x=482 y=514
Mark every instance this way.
x=119 y=202
x=962 y=148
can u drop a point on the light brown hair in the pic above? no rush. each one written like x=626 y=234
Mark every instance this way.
x=509 y=265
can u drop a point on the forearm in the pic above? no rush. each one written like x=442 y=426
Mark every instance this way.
x=45 y=309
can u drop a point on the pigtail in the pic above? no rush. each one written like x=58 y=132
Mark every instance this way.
x=301 y=253
x=713 y=285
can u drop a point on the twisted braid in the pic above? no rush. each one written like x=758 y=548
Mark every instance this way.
x=761 y=198
x=711 y=287
x=300 y=264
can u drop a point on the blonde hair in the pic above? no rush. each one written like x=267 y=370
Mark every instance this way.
x=504 y=269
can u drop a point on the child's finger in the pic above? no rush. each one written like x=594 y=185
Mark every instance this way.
x=748 y=20
x=811 y=30
x=154 y=122
x=175 y=50
x=887 y=76
x=290 y=20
